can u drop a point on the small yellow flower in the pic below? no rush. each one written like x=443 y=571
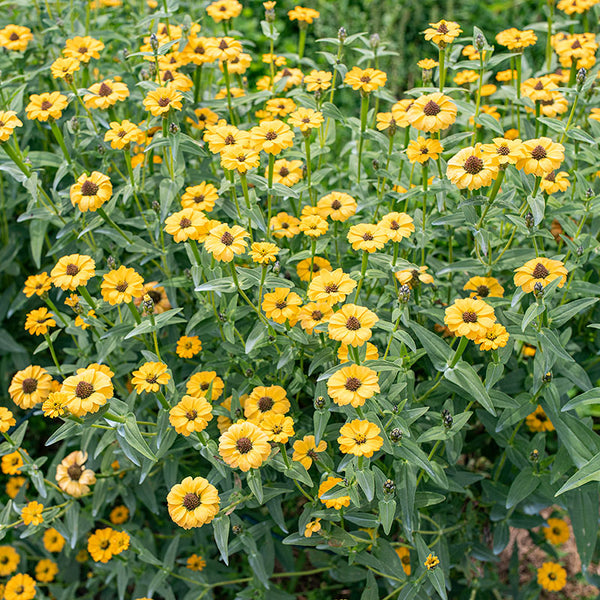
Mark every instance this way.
x=312 y=527
x=431 y=562
x=32 y=513
x=39 y=321
x=149 y=377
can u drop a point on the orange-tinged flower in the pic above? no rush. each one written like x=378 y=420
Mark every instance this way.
x=8 y=122
x=307 y=450
x=431 y=112
x=72 y=476
x=540 y=270
x=353 y=385
x=336 y=503
x=90 y=192
x=470 y=317
x=244 y=446
x=366 y=80
x=360 y=437
x=161 y=100
x=352 y=325
x=45 y=106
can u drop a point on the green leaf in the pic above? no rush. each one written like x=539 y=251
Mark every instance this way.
x=437 y=350
x=131 y=432
x=366 y=481
x=531 y=313
x=254 y=480
x=320 y=420
x=371 y=591
x=221 y=527
x=588 y=472
x=256 y=336
x=561 y=314
x=524 y=484
x=387 y=513
x=465 y=377
x=581 y=504
x=553 y=344
x=166 y=318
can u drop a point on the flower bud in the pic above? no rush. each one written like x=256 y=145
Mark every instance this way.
x=156 y=206
x=580 y=78
x=389 y=487
x=173 y=128
x=320 y=403
x=375 y=164
x=187 y=273
x=404 y=294
x=342 y=34
x=148 y=303
x=101 y=149
x=534 y=456
x=529 y=220
x=222 y=317
x=479 y=42
x=579 y=250
x=589 y=194
x=447 y=418
x=538 y=290
x=154 y=43
x=111 y=263
x=375 y=41
x=249 y=373
x=236 y=529
x=276 y=267
x=75 y=124
x=396 y=435
x=547 y=377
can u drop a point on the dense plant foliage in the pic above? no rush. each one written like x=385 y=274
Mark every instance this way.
x=272 y=331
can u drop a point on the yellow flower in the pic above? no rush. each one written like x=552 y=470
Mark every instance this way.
x=352 y=325
x=552 y=577
x=371 y=354
x=422 y=149
x=539 y=421
x=312 y=527
x=221 y=135
x=105 y=94
x=368 y=237
x=336 y=503
x=360 y=437
x=185 y=224
x=225 y=242
x=62 y=67
x=200 y=383
x=15 y=37
x=53 y=541
x=44 y=106
x=284 y=226
x=223 y=48
x=271 y=136
x=306 y=119
x=120 y=135
x=188 y=346
x=470 y=317
x=223 y=421
x=330 y=286
x=404 y=556
x=54 y=406
x=482 y=287
x=244 y=445
x=72 y=271
x=338 y=206
x=159 y=102
x=6 y=419
x=195 y=563
x=400 y=112
x=263 y=253
x=149 y=377
x=540 y=156
x=8 y=122
x=431 y=113
x=353 y=385
x=278 y=428
x=280 y=107
x=494 y=338
x=386 y=121
x=303 y=15
x=190 y=414
x=442 y=33
x=471 y=169
x=90 y=192
x=514 y=39
x=428 y=64
x=14 y=485
x=87 y=391
x=39 y=321
x=20 y=587
x=37 y=284
x=72 y=476
x=313 y=314
x=46 y=570
x=193 y=502
x=555 y=182
x=396 y=226
x=365 y=80
x=99 y=545
x=9 y=560
x=286 y=172
x=12 y=463
x=313 y=226
x=200 y=197
x=239 y=159
x=121 y=285
x=30 y=386
x=203 y=117
x=412 y=277
x=119 y=514
x=318 y=81
x=265 y=401
x=557 y=532
x=540 y=270
x=83 y=48
x=504 y=151
x=306 y=450
x=119 y=542
x=223 y=10
x=466 y=76
x=431 y=562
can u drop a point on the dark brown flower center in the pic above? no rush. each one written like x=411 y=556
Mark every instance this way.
x=360 y=439
x=244 y=445
x=168 y=76
x=204 y=385
x=284 y=172
x=121 y=286
x=551 y=177
x=185 y=223
x=538 y=153
x=473 y=165
x=104 y=90
x=229 y=140
x=281 y=304
x=538 y=86
x=483 y=291
x=353 y=324
x=151 y=378
x=336 y=205
x=46 y=105
x=443 y=29
x=72 y=270
x=156 y=297
x=312 y=454
x=365 y=79
x=540 y=271
x=394 y=225
x=432 y=108
x=198 y=199
x=84 y=390
x=191 y=501
x=223 y=45
x=270 y=135
x=191 y=415
x=29 y=385
x=317 y=315
x=541 y=417
x=503 y=150
x=164 y=101
x=227 y=239
x=199 y=50
x=367 y=237
x=74 y=472
x=352 y=383
x=469 y=317
x=89 y=188
x=265 y=404
x=82 y=49
x=14 y=36
x=331 y=288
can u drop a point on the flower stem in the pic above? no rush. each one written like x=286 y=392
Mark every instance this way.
x=110 y=222
x=53 y=353
x=363 y=270
x=364 y=111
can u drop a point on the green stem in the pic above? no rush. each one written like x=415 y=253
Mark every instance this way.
x=110 y=222
x=363 y=270
x=53 y=353
x=459 y=351
x=364 y=111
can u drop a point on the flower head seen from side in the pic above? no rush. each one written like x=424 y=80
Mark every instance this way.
x=360 y=437
x=191 y=414
x=552 y=577
x=352 y=325
x=245 y=446
x=39 y=321
x=312 y=527
x=90 y=192
x=540 y=271
x=484 y=287
x=8 y=123
x=72 y=476
x=353 y=385
x=149 y=377
x=470 y=317
x=337 y=502
x=193 y=503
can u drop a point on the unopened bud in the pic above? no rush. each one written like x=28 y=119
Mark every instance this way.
x=249 y=373
x=375 y=164
x=547 y=377
x=589 y=194
x=579 y=250
x=534 y=456
x=529 y=220
x=404 y=294
x=396 y=434
x=156 y=206
x=375 y=41
x=75 y=124
x=111 y=263
x=479 y=42
x=187 y=273
x=320 y=403
x=447 y=418
x=345 y=482
x=145 y=74
x=342 y=34
x=237 y=529
x=222 y=317
x=581 y=75
x=389 y=487
x=276 y=267
x=538 y=289
x=154 y=43
x=148 y=303
x=125 y=53
x=173 y=128
x=101 y=149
